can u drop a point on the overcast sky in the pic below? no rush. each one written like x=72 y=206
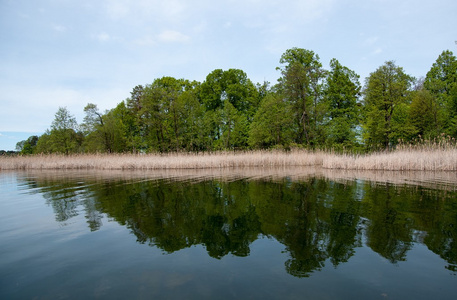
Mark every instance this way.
x=71 y=52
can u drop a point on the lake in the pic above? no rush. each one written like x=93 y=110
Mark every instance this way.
x=224 y=234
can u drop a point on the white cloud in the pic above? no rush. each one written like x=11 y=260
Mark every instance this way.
x=271 y=12
x=246 y=34
x=200 y=28
x=117 y=9
x=173 y=7
x=59 y=28
x=170 y=10
x=33 y=109
x=377 y=51
x=371 y=40
x=173 y=36
x=145 y=41
x=35 y=106
x=311 y=10
x=102 y=37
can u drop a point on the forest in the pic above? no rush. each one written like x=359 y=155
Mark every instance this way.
x=309 y=107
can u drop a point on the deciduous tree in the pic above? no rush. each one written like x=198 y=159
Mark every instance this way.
x=342 y=91
x=272 y=124
x=385 y=91
x=441 y=81
x=301 y=84
x=27 y=146
x=64 y=137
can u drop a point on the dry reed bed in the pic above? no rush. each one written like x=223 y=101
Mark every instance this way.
x=400 y=160
x=166 y=161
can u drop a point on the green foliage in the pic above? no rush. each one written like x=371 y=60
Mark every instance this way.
x=195 y=133
x=44 y=143
x=234 y=127
x=233 y=86
x=301 y=85
x=310 y=107
x=386 y=90
x=272 y=123
x=170 y=115
x=342 y=90
x=442 y=79
x=425 y=114
x=27 y=146
x=63 y=136
x=134 y=102
x=230 y=100
x=441 y=82
x=401 y=127
x=108 y=133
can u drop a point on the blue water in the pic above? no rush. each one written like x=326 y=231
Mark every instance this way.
x=83 y=235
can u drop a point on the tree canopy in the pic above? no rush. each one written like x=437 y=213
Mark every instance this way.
x=310 y=106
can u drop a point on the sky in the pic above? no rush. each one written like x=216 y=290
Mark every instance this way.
x=67 y=53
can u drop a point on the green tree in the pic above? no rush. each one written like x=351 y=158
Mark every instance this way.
x=93 y=119
x=134 y=102
x=133 y=119
x=272 y=124
x=169 y=106
x=441 y=81
x=231 y=100
x=153 y=113
x=194 y=134
x=386 y=90
x=233 y=86
x=114 y=130
x=44 y=143
x=342 y=90
x=93 y=126
x=301 y=84
x=27 y=146
x=402 y=128
x=425 y=114
x=233 y=127
x=63 y=137
x=107 y=132
x=212 y=90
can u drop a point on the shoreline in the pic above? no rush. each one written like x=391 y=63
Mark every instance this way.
x=399 y=160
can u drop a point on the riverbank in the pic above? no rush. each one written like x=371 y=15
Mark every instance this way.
x=400 y=160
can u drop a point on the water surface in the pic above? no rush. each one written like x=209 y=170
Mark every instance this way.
x=256 y=233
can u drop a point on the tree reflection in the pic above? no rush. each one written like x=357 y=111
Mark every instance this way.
x=65 y=197
x=318 y=221
x=390 y=229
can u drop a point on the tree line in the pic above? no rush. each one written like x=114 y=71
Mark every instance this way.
x=309 y=107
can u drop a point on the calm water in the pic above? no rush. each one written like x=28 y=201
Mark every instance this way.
x=249 y=234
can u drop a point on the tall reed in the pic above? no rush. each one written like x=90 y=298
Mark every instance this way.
x=441 y=157
x=164 y=161
x=439 y=154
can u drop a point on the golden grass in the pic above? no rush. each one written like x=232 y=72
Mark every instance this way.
x=164 y=161
x=427 y=159
x=399 y=160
